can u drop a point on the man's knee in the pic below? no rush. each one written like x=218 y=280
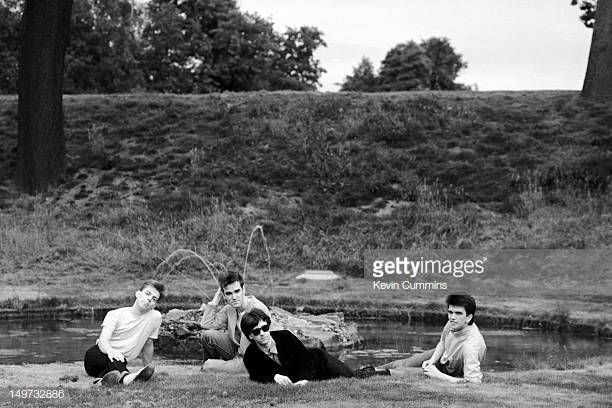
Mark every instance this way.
x=212 y=336
x=217 y=345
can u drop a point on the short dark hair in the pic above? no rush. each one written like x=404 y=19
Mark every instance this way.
x=230 y=277
x=252 y=319
x=465 y=301
x=160 y=287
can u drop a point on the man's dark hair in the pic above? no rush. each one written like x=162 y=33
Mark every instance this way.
x=465 y=301
x=160 y=287
x=252 y=319
x=230 y=277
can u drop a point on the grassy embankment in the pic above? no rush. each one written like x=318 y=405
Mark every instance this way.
x=185 y=386
x=323 y=174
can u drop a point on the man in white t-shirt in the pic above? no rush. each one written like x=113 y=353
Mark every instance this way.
x=127 y=333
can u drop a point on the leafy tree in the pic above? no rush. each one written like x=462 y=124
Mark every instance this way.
x=363 y=78
x=103 y=53
x=209 y=45
x=296 y=67
x=206 y=45
x=10 y=17
x=171 y=46
x=406 y=67
x=433 y=64
x=445 y=63
x=588 y=8
x=241 y=50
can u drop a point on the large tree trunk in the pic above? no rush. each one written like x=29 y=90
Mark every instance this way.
x=598 y=79
x=41 y=147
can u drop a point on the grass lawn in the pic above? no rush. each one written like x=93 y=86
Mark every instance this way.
x=186 y=386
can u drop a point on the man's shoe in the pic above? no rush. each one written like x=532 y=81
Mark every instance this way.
x=365 y=372
x=370 y=371
x=110 y=378
x=144 y=374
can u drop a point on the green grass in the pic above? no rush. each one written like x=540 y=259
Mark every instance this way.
x=186 y=386
x=149 y=174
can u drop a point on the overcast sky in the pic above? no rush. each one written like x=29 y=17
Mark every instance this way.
x=508 y=44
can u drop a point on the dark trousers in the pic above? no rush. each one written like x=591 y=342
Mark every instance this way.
x=97 y=363
x=334 y=368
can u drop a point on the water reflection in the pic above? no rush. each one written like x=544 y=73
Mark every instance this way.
x=67 y=341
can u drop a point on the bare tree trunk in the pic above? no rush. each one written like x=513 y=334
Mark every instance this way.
x=598 y=79
x=41 y=147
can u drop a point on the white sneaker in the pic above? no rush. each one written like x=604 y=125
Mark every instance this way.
x=141 y=375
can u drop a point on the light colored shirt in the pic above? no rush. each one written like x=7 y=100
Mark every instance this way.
x=271 y=352
x=464 y=351
x=131 y=330
x=227 y=318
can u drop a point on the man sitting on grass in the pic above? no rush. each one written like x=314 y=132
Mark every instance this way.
x=127 y=333
x=458 y=355
x=222 y=338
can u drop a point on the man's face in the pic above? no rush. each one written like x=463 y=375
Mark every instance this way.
x=458 y=317
x=147 y=297
x=234 y=294
x=263 y=338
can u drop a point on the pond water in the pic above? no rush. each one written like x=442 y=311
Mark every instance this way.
x=66 y=341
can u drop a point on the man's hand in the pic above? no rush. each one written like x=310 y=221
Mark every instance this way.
x=427 y=363
x=431 y=371
x=217 y=298
x=115 y=355
x=214 y=302
x=301 y=382
x=282 y=380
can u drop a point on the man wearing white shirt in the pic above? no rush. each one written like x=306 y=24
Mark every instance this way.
x=458 y=355
x=127 y=334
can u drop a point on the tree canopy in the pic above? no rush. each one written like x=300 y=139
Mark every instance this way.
x=432 y=64
x=175 y=46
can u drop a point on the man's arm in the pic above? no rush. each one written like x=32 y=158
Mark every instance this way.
x=147 y=352
x=432 y=372
x=439 y=351
x=105 y=347
x=304 y=358
x=471 y=364
x=471 y=369
x=259 y=370
x=214 y=317
x=435 y=356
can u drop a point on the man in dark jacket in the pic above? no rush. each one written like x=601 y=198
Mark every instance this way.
x=281 y=357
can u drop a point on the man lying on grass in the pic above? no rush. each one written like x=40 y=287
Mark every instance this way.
x=458 y=355
x=281 y=357
x=127 y=333
x=222 y=338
